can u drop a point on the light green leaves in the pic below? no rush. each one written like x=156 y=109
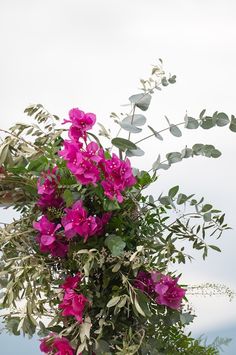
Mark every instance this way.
x=174 y=157
x=136 y=120
x=142 y=101
x=191 y=123
x=222 y=119
x=113 y=301
x=175 y=131
x=156 y=134
x=232 y=126
x=115 y=244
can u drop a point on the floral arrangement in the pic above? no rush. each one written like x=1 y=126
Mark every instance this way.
x=88 y=263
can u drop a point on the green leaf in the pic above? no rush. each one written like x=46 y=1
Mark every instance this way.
x=191 y=123
x=207 y=216
x=110 y=205
x=142 y=101
x=173 y=191
x=123 y=144
x=197 y=148
x=182 y=198
x=143 y=301
x=144 y=178
x=165 y=200
x=215 y=153
x=175 y=131
x=186 y=318
x=68 y=197
x=3 y=153
x=156 y=134
x=102 y=347
x=136 y=120
x=208 y=122
x=214 y=247
x=115 y=244
x=206 y=208
x=222 y=119
x=187 y=153
x=174 y=157
x=135 y=152
x=130 y=127
x=232 y=126
x=113 y=302
x=156 y=163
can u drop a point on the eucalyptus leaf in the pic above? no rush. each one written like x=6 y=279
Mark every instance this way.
x=175 y=131
x=191 y=123
x=232 y=126
x=174 y=157
x=156 y=134
x=208 y=122
x=123 y=144
x=136 y=120
x=115 y=244
x=222 y=119
x=135 y=152
x=130 y=127
x=142 y=101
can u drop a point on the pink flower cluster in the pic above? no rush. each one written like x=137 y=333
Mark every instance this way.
x=88 y=163
x=77 y=221
x=73 y=304
x=118 y=176
x=163 y=288
x=49 y=240
x=56 y=345
x=47 y=189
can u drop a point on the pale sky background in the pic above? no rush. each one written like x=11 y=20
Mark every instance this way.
x=91 y=54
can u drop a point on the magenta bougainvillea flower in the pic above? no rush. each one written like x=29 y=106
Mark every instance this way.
x=73 y=304
x=118 y=177
x=81 y=123
x=70 y=150
x=162 y=288
x=168 y=292
x=47 y=238
x=56 y=345
x=71 y=282
x=77 y=222
x=145 y=282
x=85 y=171
x=47 y=189
x=89 y=165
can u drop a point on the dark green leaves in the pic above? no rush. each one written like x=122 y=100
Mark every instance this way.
x=123 y=144
x=182 y=198
x=173 y=191
x=208 y=122
x=110 y=205
x=115 y=244
x=142 y=101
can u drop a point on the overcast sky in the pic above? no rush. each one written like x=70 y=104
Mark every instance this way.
x=91 y=54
